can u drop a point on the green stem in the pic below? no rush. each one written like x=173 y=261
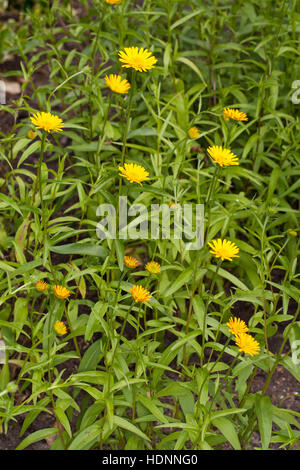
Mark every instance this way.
x=102 y=135
x=136 y=364
x=125 y=135
x=71 y=331
x=50 y=380
x=206 y=310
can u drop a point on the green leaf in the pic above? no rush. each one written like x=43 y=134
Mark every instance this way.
x=228 y=430
x=80 y=249
x=20 y=313
x=85 y=439
x=91 y=357
x=61 y=416
x=264 y=410
x=150 y=405
x=123 y=423
x=36 y=436
x=182 y=279
x=120 y=253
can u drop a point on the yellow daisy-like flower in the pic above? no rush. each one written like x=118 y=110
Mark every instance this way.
x=134 y=173
x=224 y=249
x=153 y=267
x=234 y=114
x=47 y=121
x=115 y=83
x=222 y=156
x=61 y=292
x=41 y=286
x=140 y=294
x=131 y=262
x=113 y=2
x=60 y=328
x=140 y=60
x=247 y=344
x=193 y=133
x=237 y=326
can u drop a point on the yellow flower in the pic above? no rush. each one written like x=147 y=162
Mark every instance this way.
x=234 y=114
x=61 y=292
x=222 y=156
x=41 y=286
x=131 y=262
x=224 y=249
x=113 y=2
x=173 y=206
x=292 y=232
x=140 y=60
x=60 y=328
x=140 y=294
x=193 y=133
x=31 y=134
x=47 y=121
x=115 y=83
x=134 y=173
x=237 y=326
x=153 y=267
x=247 y=344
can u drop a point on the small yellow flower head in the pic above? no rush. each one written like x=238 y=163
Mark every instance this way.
x=224 y=249
x=113 y=2
x=292 y=232
x=193 y=133
x=31 y=134
x=131 y=262
x=47 y=121
x=116 y=84
x=60 y=328
x=140 y=60
x=224 y=157
x=61 y=292
x=173 y=206
x=41 y=286
x=153 y=267
x=134 y=173
x=140 y=294
x=237 y=326
x=247 y=344
x=234 y=114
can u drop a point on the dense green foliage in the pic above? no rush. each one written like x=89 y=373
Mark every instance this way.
x=165 y=374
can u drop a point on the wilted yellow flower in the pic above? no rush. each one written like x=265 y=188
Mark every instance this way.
x=60 y=328
x=113 y=2
x=61 y=292
x=237 y=326
x=131 y=262
x=224 y=249
x=31 y=134
x=153 y=267
x=247 y=344
x=134 y=173
x=115 y=83
x=193 y=133
x=140 y=60
x=222 y=156
x=41 y=286
x=140 y=294
x=47 y=121
x=234 y=114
